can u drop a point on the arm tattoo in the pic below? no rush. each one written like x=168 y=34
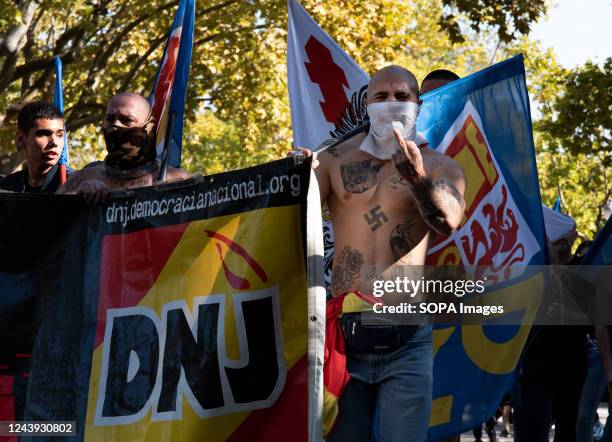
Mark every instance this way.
x=347 y=270
x=448 y=193
x=359 y=176
x=402 y=241
x=407 y=170
x=375 y=218
x=434 y=163
x=437 y=201
x=396 y=181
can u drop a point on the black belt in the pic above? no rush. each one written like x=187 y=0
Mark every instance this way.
x=374 y=338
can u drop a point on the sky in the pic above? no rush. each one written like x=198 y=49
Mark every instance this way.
x=577 y=30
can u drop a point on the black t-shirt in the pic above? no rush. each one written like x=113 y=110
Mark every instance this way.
x=18 y=182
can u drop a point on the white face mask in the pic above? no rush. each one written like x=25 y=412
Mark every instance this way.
x=384 y=117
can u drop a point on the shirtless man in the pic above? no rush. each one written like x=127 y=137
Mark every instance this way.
x=129 y=133
x=387 y=197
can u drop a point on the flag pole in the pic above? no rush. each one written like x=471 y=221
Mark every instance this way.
x=167 y=142
x=362 y=128
x=58 y=102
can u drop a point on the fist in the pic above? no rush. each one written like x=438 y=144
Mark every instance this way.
x=303 y=152
x=407 y=159
x=93 y=191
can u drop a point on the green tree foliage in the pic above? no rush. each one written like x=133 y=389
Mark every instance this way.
x=580 y=119
x=237 y=108
x=583 y=182
x=238 y=67
x=574 y=141
x=571 y=133
x=107 y=47
x=511 y=18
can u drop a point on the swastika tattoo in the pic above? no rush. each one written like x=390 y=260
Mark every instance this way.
x=375 y=218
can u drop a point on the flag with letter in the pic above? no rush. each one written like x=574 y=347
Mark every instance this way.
x=170 y=89
x=165 y=315
x=483 y=122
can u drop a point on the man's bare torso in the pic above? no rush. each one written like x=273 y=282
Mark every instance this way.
x=98 y=173
x=378 y=229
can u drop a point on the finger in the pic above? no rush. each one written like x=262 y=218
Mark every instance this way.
x=299 y=151
x=402 y=145
x=399 y=138
x=99 y=196
x=412 y=149
x=304 y=150
x=83 y=193
x=79 y=191
x=91 y=196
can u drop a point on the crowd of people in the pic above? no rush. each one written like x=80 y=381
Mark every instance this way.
x=388 y=195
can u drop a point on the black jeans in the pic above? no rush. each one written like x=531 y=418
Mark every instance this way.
x=548 y=389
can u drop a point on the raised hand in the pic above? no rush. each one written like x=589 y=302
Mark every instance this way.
x=407 y=159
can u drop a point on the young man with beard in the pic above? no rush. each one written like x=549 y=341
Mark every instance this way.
x=387 y=197
x=40 y=134
x=129 y=134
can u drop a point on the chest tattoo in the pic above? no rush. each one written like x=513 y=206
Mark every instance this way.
x=359 y=176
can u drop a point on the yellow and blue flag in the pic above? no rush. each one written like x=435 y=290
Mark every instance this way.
x=483 y=122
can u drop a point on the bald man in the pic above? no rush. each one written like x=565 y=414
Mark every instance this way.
x=387 y=197
x=129 y=134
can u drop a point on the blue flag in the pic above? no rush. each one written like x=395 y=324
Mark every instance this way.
x=483 y=122
x=58 y=102
x=600 y=252
x=168 y=95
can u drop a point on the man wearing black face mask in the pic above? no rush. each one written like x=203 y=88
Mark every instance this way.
x=129 y=133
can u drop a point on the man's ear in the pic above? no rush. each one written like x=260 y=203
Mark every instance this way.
x=20 y=140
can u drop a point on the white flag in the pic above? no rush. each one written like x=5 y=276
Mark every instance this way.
x=326 y=86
